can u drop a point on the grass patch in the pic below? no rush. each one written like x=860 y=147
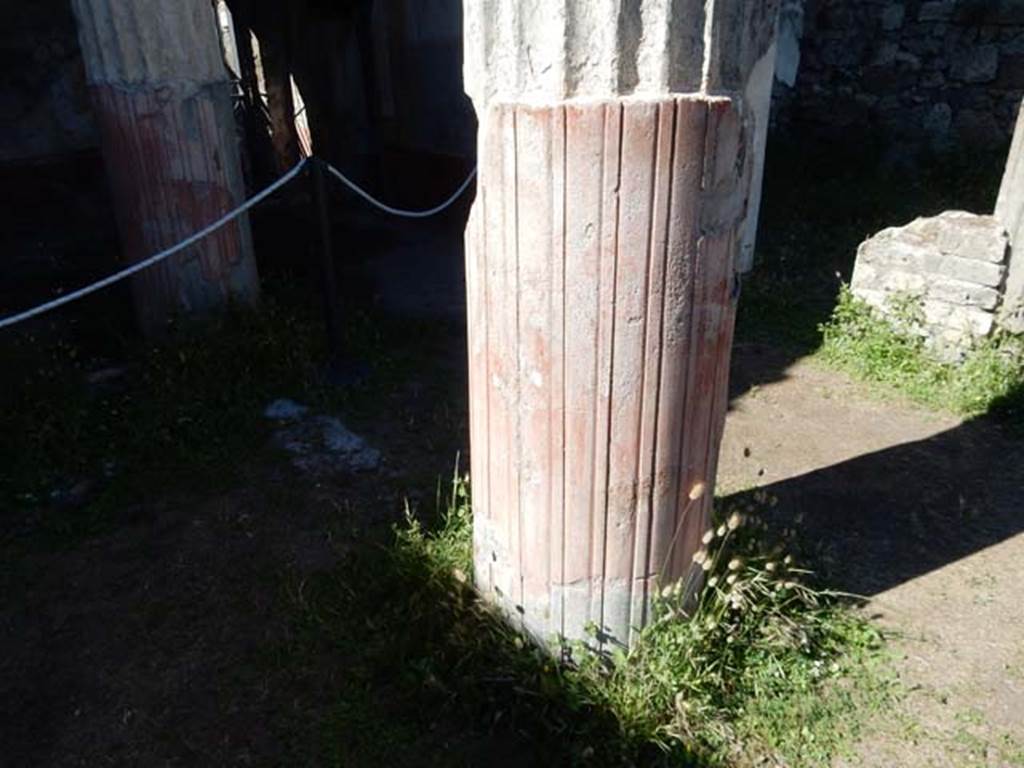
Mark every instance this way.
x=182 y=411
x=762 y=667
x=77 y=453
x=893 y=353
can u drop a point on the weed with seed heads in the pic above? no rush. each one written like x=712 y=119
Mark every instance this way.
x=745 y=660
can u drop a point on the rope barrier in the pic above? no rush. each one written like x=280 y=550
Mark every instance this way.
x=399 y=211
x=157 y=257
x=188 y=242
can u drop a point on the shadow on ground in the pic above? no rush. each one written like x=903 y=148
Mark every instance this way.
x=884 y=518
x=260 y=626
x=268 y=620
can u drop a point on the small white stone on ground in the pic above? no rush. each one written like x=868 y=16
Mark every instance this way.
x=320 y=443
x=285 y=410
x=347 y=445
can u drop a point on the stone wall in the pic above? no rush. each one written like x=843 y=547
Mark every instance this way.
x=931 y=74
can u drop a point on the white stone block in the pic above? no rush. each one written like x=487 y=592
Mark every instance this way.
x=954 y=264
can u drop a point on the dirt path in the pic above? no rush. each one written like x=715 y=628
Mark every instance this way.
x=922 y=513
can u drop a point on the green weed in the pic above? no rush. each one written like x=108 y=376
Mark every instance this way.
x=893 y=353
x=759 y=666
x=763 y=666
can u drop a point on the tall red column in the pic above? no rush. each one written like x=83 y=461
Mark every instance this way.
x=163 y=103
x=601 y=260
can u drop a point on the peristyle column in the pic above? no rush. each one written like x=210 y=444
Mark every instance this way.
x=1010 y=212
x=163 y=102
x=615 y=190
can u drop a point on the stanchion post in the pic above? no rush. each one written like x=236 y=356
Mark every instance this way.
x=329 y=281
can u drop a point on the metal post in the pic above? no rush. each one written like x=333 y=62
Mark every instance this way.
x=328 y=276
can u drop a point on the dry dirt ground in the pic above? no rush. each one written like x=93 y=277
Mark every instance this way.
x=165 y=641
x=921 y=513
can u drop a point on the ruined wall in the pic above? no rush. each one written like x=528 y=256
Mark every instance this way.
x=953 y=266
x=926 y=73
x=43 y=99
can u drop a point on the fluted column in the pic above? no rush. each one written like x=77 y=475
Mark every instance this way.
x=550 y=50
x=1010 y=212
x=601 y=259
x=163 y=103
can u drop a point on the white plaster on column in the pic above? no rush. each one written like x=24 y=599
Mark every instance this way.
x=758 y=97
x=740 y=58
x=546 y=51
x=149 y=41
x=1010 y=212
x=791 y=29
x=541 y=51
x=229 y=45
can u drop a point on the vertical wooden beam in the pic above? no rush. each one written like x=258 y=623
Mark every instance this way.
x=273 y=32
x=325 y=252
